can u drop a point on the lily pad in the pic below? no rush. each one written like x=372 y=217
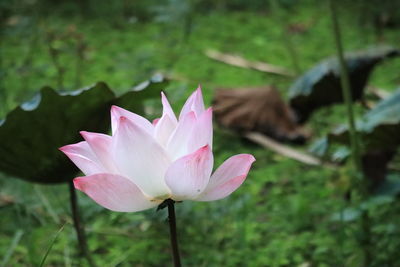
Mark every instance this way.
x=32 y=133
x=321 y=86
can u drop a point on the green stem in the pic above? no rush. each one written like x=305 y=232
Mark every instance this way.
x=173 y=235
x=360 y=183
x=346 y=90
x=80 y=231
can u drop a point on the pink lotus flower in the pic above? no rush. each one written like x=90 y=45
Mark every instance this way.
x=143 y=163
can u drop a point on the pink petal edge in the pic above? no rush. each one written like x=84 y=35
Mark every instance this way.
x=193 y=103
x=155 y=121
x=222 y=191
x=202 y=133
x=117 y=112
x=167 y=109
x=101 y=144
x=114 y=192
x=228 y=177
x=83 y=157
x=188 y=176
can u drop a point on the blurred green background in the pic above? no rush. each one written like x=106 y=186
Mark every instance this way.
x=285 y=214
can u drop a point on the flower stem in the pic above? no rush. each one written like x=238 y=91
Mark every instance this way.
x=360 y=183
x=346 y=89
x=80 y=231
x=173 y=235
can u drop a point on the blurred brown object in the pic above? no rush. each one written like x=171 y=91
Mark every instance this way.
x=258 y=110
x=6 y=200
x=298 y=28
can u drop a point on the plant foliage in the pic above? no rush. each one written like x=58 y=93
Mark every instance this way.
x=320 y=86
x=32 y=133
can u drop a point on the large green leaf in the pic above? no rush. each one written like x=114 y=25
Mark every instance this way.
x=32 y=133
x=321 y=86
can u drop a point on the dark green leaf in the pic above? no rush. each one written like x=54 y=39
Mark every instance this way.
x=379 y=128
x=32 y=133
x=379 y=132
x=320 y=86
x=390 y=187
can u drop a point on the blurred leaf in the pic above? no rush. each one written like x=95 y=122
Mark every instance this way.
x=172 y=11
x=341 y=154
x=319 y=147
x=379 y=128
x=320 y=86
x=347 y=215
x=32 y=133
x=351 y=214
x=375 y=201
x=391 y=186
x=379 y=131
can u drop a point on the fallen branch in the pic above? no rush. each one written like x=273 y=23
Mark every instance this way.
x=285 y=150
x=244 y=63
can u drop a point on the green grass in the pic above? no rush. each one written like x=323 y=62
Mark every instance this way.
x=281 y=216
